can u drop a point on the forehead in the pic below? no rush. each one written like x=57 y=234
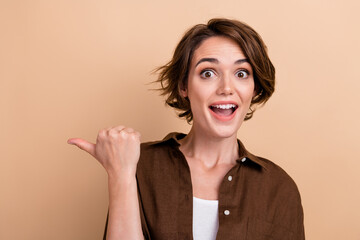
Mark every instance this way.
x=218 y=47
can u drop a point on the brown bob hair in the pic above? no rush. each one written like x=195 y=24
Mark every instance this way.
x=174 y=75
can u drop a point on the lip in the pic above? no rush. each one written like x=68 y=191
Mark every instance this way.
x=223 y=118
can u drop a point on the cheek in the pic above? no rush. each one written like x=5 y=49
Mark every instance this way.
x=197 y=92
x=246 y=93
x=199 y=97
x=196 y=99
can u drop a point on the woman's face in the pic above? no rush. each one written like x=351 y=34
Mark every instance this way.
x=220 y=87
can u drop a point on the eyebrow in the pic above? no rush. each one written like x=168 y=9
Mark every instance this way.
x=214 y=60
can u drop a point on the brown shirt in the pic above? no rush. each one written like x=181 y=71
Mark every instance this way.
x=257 y=199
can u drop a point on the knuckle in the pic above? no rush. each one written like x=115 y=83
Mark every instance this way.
x=129 y=130
x=113 y=133
x=102 y=133
x=135 y=136
x=123 y=134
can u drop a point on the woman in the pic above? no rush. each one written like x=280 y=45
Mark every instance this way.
x=203 y=185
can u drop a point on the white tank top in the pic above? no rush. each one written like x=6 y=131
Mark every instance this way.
x=205 y=219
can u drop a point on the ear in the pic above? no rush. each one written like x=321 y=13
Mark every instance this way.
x=183 y=92
x=257 y=93
x=254 y=94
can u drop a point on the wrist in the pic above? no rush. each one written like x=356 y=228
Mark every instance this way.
x=122 y=174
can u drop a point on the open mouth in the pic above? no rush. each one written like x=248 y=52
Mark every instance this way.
x=223 y=110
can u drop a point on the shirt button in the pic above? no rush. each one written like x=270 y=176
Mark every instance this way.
x=229 y=178
x=226 y=212
x=243 y=160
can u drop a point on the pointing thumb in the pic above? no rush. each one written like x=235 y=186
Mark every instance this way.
x=83 y=144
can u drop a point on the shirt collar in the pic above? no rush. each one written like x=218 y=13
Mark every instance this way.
x=243 y=153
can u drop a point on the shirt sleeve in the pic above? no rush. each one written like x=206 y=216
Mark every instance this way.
x=294 y=215
x=298 y=214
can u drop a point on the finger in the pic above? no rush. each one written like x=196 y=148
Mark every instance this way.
x=113 y=130
x=119 y=128
x=138 y=134
x=83 y=144
x=129 y=130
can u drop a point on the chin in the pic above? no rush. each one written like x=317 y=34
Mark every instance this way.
x=224 y=131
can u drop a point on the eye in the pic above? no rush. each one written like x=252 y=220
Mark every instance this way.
x=207 y=74
x=242 y=74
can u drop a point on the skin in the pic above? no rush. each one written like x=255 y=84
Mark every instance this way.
x=210 y=147
x=118 y=151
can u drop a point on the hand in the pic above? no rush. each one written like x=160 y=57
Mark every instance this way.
x=117 y=149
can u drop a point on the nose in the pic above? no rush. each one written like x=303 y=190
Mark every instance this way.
x=225 y=86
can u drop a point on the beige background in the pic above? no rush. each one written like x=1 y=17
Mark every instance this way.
x=70 y=68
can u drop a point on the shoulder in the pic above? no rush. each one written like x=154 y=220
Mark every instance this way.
x=149 y=149
x=264 y=171
x=280 y=190
x=263 y=168
x=275 y=177
x=160 y=154
x=169 y=142
x=274 y=170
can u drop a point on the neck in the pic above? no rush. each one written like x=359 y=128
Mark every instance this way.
x=209 y=150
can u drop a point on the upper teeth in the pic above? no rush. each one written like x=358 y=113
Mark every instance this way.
x=224 y=106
